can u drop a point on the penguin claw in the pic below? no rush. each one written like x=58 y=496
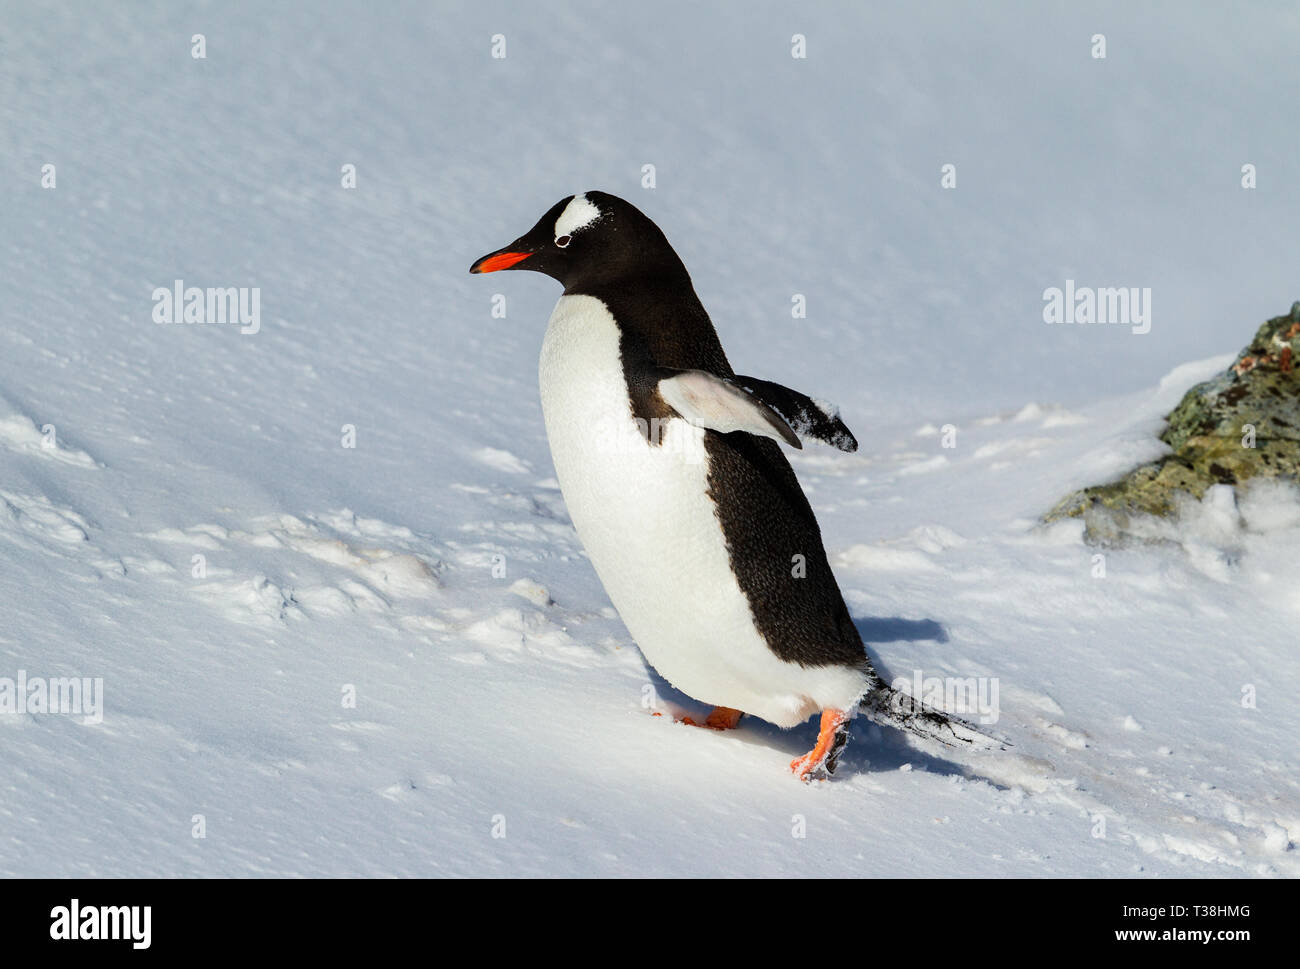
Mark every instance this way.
x=820 y=762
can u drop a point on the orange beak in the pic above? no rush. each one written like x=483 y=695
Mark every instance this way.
x=500 y=260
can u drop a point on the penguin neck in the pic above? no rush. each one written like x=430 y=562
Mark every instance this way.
x=661 y=321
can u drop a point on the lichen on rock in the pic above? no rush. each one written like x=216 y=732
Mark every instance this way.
x=1242 y=424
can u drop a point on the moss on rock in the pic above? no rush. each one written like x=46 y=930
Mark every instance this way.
x=1242 y=424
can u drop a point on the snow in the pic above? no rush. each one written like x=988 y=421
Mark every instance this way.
x=393 y=658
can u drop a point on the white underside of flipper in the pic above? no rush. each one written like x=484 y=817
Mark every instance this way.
x=646 y=519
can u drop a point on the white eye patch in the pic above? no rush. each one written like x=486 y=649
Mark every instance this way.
x=578 y=214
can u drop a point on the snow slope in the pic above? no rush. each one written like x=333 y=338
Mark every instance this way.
x=431 y=569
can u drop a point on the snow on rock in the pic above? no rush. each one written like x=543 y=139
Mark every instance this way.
x=1240 y=425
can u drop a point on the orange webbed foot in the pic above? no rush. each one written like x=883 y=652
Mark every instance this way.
x=719 y=718
x=820 y=762
x=723 y=718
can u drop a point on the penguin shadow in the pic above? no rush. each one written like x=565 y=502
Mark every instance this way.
x=871 y=748
x=877 y=629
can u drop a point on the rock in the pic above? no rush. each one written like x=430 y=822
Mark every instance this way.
x=1255 y=402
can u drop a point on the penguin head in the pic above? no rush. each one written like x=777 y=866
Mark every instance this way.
x=592 y=236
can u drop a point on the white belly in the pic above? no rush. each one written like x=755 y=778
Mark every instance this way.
x=647 y=523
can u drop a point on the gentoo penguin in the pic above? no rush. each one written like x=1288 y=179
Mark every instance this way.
x=672 y=470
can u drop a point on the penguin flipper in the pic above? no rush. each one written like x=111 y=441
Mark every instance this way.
x=806 y=416
x=718 y=404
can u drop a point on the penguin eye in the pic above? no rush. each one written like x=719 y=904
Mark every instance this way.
x=563 y=241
